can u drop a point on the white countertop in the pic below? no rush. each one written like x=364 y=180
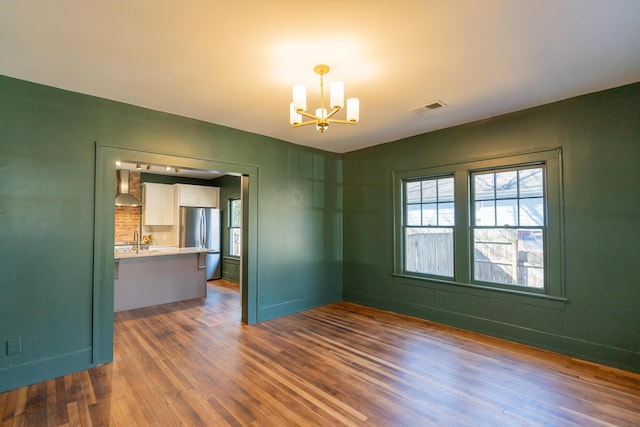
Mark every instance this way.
x=161 y=252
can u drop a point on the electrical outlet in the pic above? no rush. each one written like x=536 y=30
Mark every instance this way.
x=437 y=296
x=14 y=346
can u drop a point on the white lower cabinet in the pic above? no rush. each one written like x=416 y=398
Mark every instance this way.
x=144 y=281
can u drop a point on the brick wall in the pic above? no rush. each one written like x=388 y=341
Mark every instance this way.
x=128 y=217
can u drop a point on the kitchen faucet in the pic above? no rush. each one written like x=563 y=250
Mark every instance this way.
x=136 y=238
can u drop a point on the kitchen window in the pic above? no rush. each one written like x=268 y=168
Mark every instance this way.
x=235 y=221
x=488 y=224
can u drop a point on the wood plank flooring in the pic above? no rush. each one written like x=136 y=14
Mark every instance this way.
x=193 y=363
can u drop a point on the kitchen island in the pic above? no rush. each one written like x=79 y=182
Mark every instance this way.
x=158 y=276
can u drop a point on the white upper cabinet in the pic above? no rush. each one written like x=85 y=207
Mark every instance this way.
x=197 y=195
x=159 y=204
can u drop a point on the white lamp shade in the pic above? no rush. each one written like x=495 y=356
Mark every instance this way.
x=353 y=109
x=300 y=97
x=294 y=118
x=337 y=95
x=321 y=113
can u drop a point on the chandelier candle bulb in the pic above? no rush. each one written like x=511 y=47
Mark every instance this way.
x=300 y=97
x=337 y=95
x=294 y=117
x=321 y=113
x=353 y=109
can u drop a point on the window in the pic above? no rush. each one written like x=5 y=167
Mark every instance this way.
x=235 y=221
x=492 y=223
x=429 y=220
x=508 y=226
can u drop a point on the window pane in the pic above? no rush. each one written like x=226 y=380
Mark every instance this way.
x=530 y=240
x=509 y=256
x=445 y=190
x=430 y=214
x=483 y=186
x=532 y=211
x=413 y=215
x=435 y=196
x=485 y=213
x=446 y=214
x=413 y=192
x=507 y=185
x=234 y=242
x=429 y=251
x=531 y=182
x=236 y=213
x=429 y=191
x=507 y=212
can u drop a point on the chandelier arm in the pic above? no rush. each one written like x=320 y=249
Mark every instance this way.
x=335 y=110
x=311 y=116
x=344 y=122
x=296 y=125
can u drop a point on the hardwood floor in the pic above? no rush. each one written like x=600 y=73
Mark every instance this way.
x=194 y=363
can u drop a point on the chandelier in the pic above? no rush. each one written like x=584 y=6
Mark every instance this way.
x=323 y=118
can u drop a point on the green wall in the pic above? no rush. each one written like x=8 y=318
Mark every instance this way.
x=56 y=258
x=599 y=135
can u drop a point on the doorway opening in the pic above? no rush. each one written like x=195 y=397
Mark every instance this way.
x=162 y=213
x=177 y=169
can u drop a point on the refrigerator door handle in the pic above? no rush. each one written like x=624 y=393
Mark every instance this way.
x=203 y=228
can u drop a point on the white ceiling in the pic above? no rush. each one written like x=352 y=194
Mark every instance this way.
x=234 y=62
x=172 y=171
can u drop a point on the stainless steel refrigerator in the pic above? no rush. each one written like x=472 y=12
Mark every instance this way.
x=200 y=228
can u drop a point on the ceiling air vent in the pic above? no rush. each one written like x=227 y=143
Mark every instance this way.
x=434 y=105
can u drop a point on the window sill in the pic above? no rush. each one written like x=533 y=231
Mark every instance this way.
x=232 y=257
x=509 y=295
